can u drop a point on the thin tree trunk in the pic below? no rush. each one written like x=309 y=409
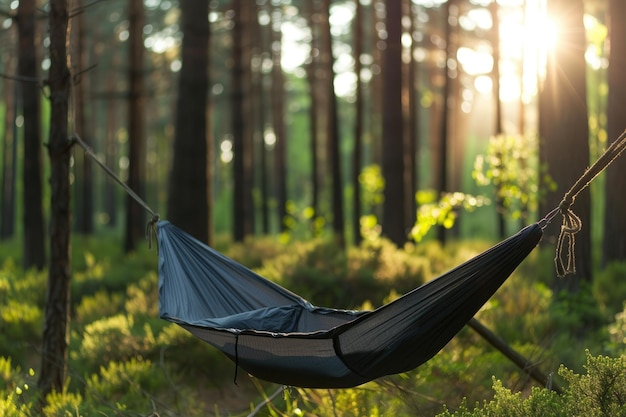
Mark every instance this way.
x=333 y=150
x=358 y=125
x=135 y=217
x=9 y=153
x=243 y=209
x=110 y=188
x=312 y=69
x=278 y=120
x=495 y=75
x=34 y=249
x=57 y=312
x=411 y=123
x=84 y=180
x=442 y=160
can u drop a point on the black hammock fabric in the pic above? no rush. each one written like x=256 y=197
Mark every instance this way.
x=280 y=337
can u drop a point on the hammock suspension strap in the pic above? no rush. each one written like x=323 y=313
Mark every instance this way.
x=151 y=227
x=565 y=258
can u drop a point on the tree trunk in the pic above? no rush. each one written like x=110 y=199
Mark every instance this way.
x=188 y=196
x=9 y=152
x=111 y=190
x=243 y=208
x=34 y=249
x=83 y=179
x=441 y=164
x=393 y=137
x=495 y=74
x=333 y=139
x=312 y=69
x=358 y=126
x=564 y=130
x=57 y=312
x=135 y=217
x=278 y=120
x=614 y=244
x=412 y=123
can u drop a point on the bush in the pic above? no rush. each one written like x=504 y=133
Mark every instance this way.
x=601 y=392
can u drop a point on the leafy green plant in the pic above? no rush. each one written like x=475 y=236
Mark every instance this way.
x=433 y=211
x=510 y=166
x=601 y=392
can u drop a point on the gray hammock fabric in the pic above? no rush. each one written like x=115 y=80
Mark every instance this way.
x=280 y=337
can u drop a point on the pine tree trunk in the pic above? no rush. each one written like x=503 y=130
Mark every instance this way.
x=564 y=131
x=135 y=217
x=358 y=126
x=9 y=152
x=333 y=150
x=278 y=121
x=188 y=196
x=34 y=249
x=393 y=133
x=614 y=245
x=57 y=312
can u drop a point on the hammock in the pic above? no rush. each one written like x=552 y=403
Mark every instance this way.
x=280 y=337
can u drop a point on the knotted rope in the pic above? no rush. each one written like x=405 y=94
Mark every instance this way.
x=151 y=227
x=565 y=258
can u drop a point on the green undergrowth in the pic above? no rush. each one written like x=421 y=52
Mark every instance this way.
x=124 y=360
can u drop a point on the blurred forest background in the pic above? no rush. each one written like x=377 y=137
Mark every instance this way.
x=406 y=131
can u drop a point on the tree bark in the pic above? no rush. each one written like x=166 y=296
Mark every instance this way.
x=333 y=139
x=83 y=180
x=564 y=130
x=357 y=154
x=135 y=217
x=312 y=69
x=393 y=224
x=278 y=120
x=614 y=244
x=56 y=315
x=9 y=149
x=188 y=197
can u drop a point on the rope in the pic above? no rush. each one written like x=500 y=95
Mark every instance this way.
x=565 y=259
x=151 y=227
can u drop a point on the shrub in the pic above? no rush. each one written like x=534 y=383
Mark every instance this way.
x=617 y=331
x=125 y=385
x=601 y=392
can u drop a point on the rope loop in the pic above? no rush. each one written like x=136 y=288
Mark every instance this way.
x=151 y=231
x=571 y=222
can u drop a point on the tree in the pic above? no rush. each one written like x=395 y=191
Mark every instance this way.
x=358 y=125
x=9 y=145
x=332 y=135
x=84 y=180
x=312 y=70
x=564 y=130
x=393 y=225
x=34 y=250
x=278 y=117
x=614 y=244
x=189 y=204
x=243 y=208
x=136 y=125
x=57 y=312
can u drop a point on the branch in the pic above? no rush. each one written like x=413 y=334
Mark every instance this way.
x=81 y=9
x=24 y=79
